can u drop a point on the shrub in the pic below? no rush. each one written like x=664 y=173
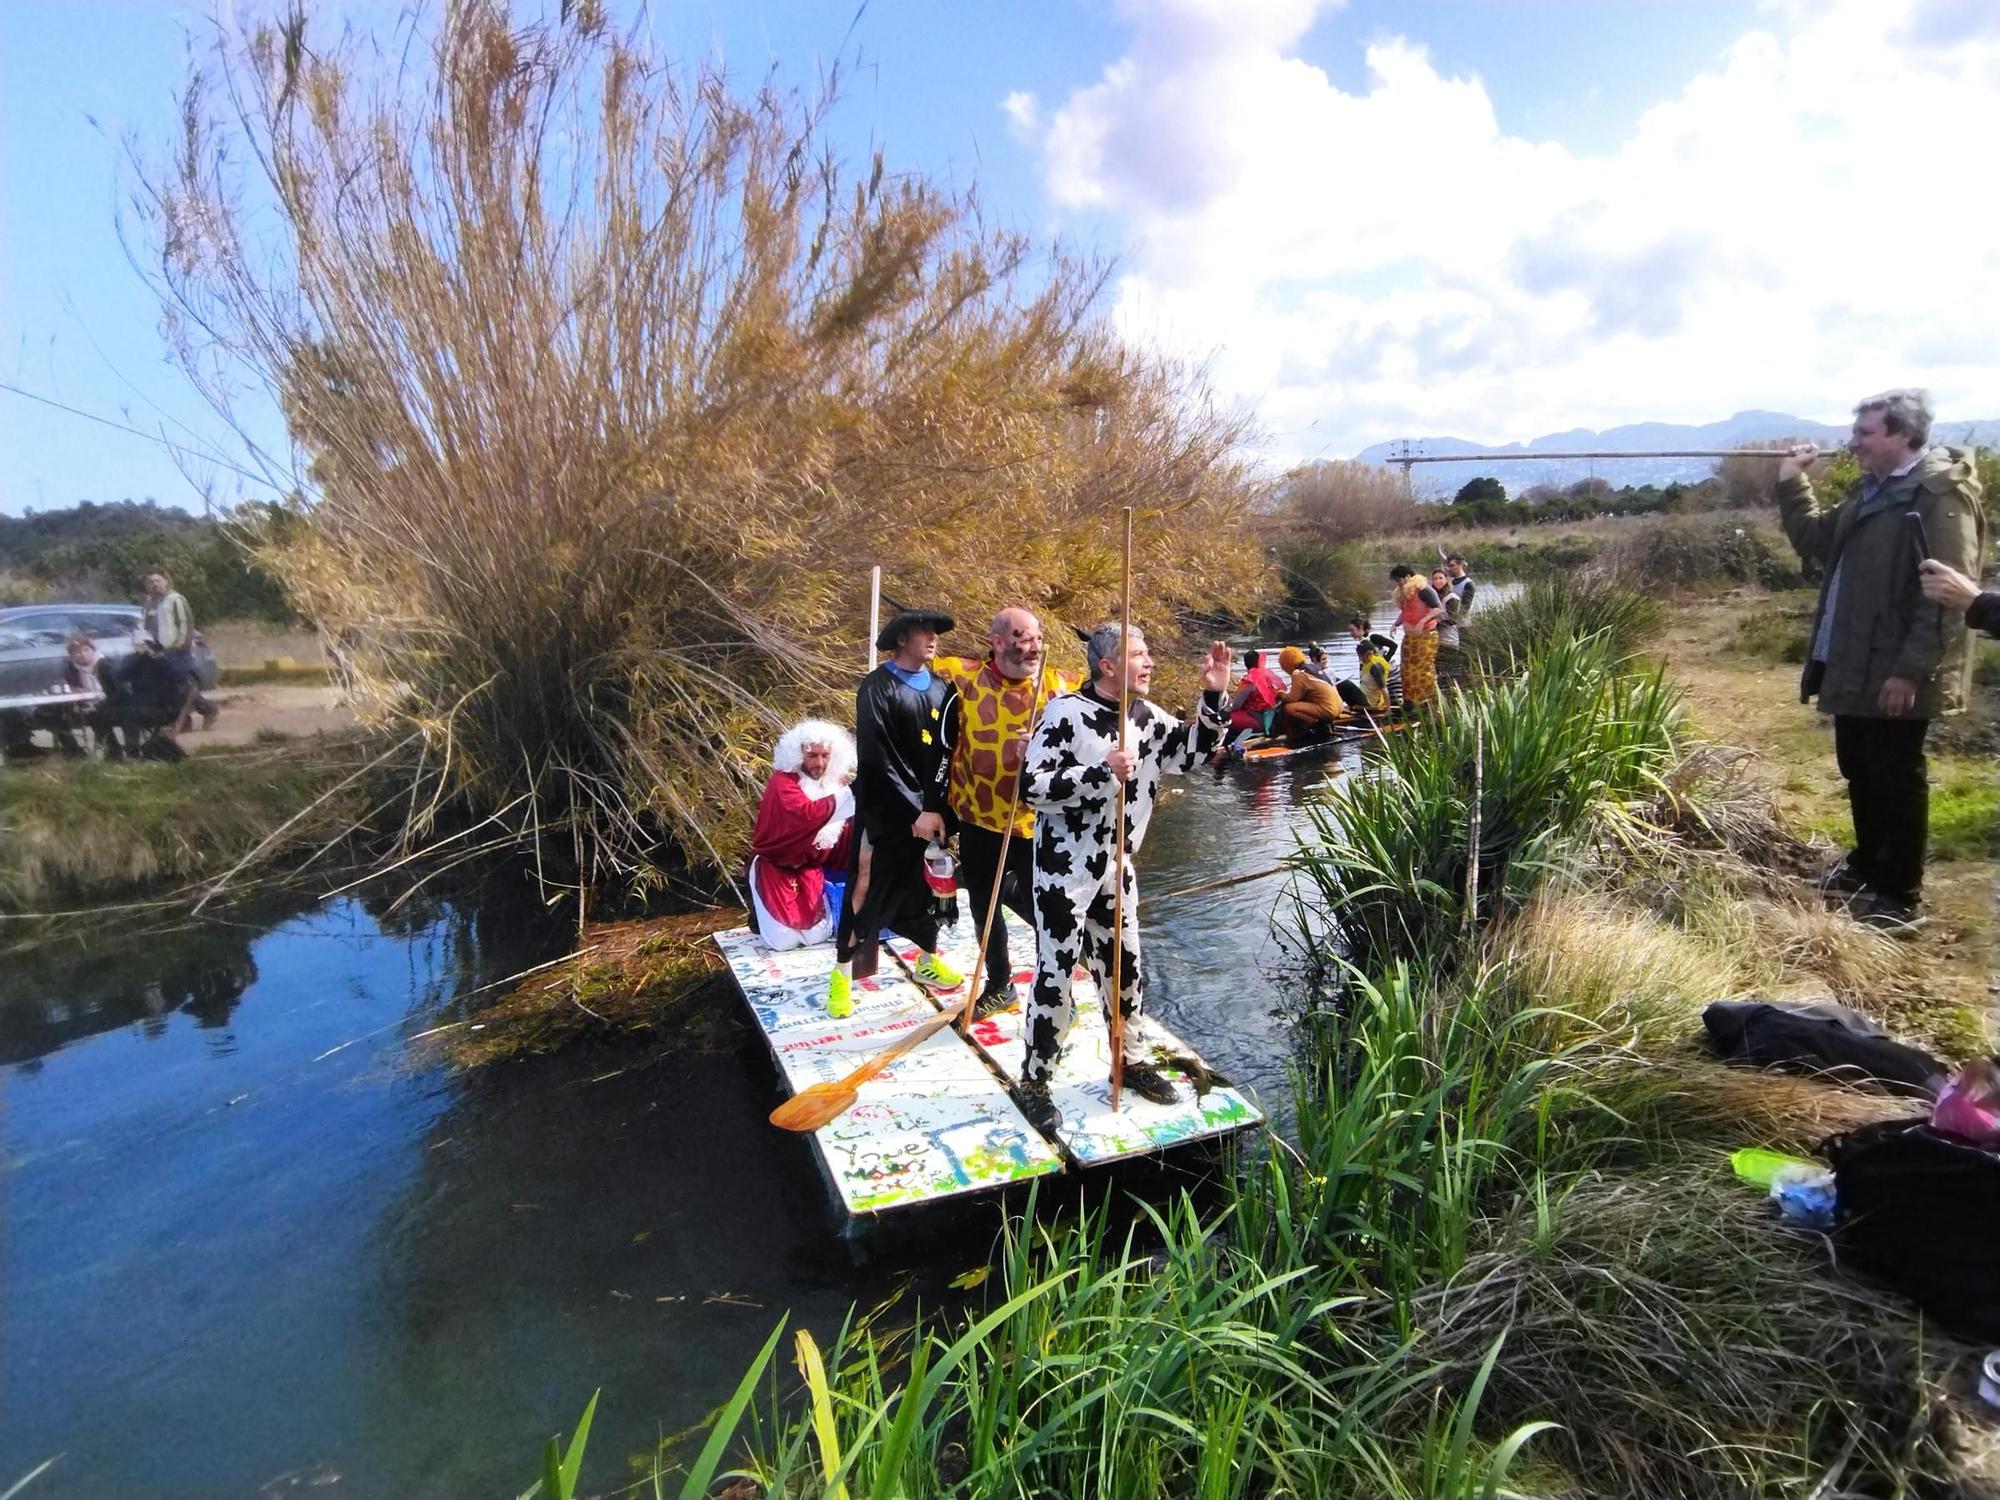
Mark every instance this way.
x=1687 y=551
x=1559 y=608
x=1341 y=500
x=613 y=386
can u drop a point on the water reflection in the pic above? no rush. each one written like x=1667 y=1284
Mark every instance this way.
x=57 y=995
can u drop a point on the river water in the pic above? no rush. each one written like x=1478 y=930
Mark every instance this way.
x=255 y=1241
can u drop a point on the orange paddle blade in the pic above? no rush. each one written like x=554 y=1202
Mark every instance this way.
x=811 y=1108
x=825 y=1102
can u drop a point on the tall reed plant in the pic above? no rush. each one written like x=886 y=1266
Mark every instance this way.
x=1565 y=749
x=608 y=381
x=1549 y=611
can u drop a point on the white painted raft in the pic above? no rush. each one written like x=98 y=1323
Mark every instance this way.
x=1090 y=1134
x=940 y=1122
x=935 y=1124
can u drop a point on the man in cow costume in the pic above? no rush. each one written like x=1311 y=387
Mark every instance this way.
x=1073 y=770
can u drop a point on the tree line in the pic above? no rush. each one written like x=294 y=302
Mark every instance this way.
x=101 y=551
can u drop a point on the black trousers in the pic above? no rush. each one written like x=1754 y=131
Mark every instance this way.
x=896 y=897
x=978 y=861
x=1889 y=793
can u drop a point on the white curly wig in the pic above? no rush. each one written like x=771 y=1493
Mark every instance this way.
x=791 y=750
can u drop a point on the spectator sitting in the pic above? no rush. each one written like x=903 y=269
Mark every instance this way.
x=85 y=669
x=142 y=699
x=1310 y=707
x=1256 y=699
x=802 y=831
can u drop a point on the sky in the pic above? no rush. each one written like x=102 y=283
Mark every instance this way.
x=1366 y=221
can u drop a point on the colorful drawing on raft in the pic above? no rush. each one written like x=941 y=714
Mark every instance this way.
x=1091 y=1134
x=935 y=1124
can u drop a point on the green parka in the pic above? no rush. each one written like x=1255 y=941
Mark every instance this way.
x=1883 y=625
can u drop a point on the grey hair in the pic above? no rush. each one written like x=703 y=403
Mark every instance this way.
x=1905 y=411
x=1107 y=643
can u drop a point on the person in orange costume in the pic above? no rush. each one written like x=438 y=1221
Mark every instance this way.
x=988 y=737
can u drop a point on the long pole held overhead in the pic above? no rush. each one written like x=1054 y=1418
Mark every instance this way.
x=1502 y=458
x=1114 y=1010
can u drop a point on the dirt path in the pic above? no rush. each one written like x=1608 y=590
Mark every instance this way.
x=272 y=710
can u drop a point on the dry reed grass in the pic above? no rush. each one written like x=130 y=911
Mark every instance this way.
x=610 y=384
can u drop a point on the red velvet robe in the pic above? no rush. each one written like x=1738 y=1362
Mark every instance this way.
x=790 y=871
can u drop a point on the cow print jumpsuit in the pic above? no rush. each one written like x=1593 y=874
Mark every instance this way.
x=1074 y=796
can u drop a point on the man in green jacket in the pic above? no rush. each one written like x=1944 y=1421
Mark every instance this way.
x=1883 y=660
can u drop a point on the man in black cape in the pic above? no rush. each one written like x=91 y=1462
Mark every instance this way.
x=899 y=807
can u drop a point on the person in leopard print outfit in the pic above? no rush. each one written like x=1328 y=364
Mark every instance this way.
x=1073 y=769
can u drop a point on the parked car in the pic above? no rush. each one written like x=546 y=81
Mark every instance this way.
x=35 y=637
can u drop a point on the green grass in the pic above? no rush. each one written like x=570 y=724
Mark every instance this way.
x=1965 y=809
x=86 y=831
x=1777 y=630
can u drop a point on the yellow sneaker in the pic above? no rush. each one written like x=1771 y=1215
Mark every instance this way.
x=933 y=973
x=840 y=995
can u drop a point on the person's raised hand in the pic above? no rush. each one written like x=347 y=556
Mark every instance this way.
x=1122 y=763
x=1944 y=584
x=1798 y=458
x=1215 y=675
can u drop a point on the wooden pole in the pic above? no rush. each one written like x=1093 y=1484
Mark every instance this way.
x=1116 y=1012
x=874 y=613
x=1006 y=837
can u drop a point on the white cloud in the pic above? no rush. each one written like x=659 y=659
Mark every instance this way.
x=1024 y=114
x=1803 y=223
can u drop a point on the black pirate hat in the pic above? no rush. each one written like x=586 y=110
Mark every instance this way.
x=905 y=620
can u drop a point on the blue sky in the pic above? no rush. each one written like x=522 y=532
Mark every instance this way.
x=1367 y=221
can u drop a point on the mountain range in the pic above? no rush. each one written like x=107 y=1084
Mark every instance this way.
x=1743 y=429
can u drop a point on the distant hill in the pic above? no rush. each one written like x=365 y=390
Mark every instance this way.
x=1746 y=427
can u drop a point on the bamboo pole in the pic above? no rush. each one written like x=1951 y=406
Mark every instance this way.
x=874 y=613
x=1116 y=1013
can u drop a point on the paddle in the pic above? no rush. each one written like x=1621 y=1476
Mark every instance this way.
x=824 y=1103
x=1117 y=1011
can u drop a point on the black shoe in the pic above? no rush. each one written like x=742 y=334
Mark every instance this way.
x=1898 y=918
x=1150 y=1084
x=995 y=1000
x=1039 y=1107
x=1842 y=880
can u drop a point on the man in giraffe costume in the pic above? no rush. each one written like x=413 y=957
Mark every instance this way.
x=1073 y=770
x=987 y=730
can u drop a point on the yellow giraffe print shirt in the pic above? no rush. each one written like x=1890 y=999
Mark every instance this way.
x=992 y=738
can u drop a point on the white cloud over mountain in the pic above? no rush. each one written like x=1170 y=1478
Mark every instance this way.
x=1809 y=220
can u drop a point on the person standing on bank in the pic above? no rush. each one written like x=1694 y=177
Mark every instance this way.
x=1461 y=585
x=899 y=805
x=988 y=733
x=1884 y=661
x=170 y=623
x=1074 y=767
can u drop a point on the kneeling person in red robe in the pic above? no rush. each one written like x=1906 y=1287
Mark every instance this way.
x=802 y=831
